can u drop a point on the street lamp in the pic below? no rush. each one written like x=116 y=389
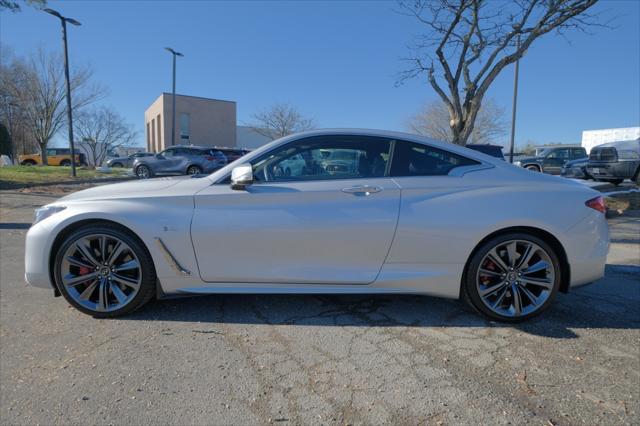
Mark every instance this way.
x=63 y=21
x=173 y=109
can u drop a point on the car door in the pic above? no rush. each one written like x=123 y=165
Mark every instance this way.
x=309 y=227
x=555 y=160
x=53 y=159
x=168 y=163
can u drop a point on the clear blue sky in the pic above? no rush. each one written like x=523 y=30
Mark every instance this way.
x=335 y=61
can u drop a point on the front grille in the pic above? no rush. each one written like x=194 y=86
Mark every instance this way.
x=603 y=155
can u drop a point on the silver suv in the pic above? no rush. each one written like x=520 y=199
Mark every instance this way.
x=180 y=160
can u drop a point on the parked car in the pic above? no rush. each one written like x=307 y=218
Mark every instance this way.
x=232 y=154
x=432 y=221
x=576 y=169
x=492 y=150
x=550 y=160
x=615 y=161
x=128 y=160
x=180 y=160
x=55 y=157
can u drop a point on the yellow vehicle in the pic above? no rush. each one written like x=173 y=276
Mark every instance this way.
x=55 y=157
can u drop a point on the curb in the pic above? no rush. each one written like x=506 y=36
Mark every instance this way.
x=9 y=185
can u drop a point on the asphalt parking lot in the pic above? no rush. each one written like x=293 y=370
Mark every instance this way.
x=318 y=359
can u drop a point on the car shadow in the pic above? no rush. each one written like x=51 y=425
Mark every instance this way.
x=611 y=303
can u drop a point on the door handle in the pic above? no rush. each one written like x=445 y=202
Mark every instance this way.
x=362 y=189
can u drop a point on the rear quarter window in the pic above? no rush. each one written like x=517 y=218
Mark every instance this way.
x=413 y=159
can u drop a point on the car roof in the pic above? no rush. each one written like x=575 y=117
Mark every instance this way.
x=625 y=144
x=410 y=137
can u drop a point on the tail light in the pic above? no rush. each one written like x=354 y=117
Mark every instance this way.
x=597 y=204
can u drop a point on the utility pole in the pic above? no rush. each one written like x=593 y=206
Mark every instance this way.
x=173 y=108
x=515 y=101
x=64 y=21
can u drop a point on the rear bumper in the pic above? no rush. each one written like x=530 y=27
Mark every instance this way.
x=619 y=170
x=587 y=246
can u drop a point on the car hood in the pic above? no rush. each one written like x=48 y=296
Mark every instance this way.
x=141 y=188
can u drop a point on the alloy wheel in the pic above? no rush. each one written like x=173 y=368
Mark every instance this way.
x=143 y=172
x=101 y=272
x=515 y=278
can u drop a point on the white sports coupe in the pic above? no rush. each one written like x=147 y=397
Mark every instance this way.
x=368 y=212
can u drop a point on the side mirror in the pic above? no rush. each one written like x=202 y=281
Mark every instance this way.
x=241 y=176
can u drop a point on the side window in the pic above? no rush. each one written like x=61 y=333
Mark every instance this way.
x=51 y=152
x=579 y=153
x=168 y=153
x=559 y=153
x=325 y=158
x=413 y=159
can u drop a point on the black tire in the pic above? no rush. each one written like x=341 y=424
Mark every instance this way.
x=636 y=178
x=469 y=288
x=194 y=170
x=616 y=182
x=28 y=163
x=533 y=168
x=144 y=172
x=65 y=163
x=147 y=287
x=117 y=165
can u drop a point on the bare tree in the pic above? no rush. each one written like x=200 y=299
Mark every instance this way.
x=434 y=121
x=14 y=6
x=38 y=87
x=13 y=81
x=280 y=120
x=467 y=43
x=100 y=131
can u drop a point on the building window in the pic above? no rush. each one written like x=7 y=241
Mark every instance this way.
x=184 y=126
x=148 y=138
x=159 y=132
x=153 y=134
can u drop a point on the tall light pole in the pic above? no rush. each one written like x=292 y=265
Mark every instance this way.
x=173 y=108
x=63 y=21
x=515 y=100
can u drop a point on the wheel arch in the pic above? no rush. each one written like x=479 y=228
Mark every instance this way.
x=534 y=164
x=64 y=232
x=547 y=237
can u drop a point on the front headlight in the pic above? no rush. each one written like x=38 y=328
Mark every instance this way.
x=517 y=163
x=44 y=212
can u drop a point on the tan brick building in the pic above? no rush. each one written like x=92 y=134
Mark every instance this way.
x=199 y=121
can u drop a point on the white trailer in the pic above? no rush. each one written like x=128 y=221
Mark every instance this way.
x=591 y=138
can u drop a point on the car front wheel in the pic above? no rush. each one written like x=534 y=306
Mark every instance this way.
x=143 y=172
x=103 y=271
x=533 y=168
x=512 y=277
x=194 y=170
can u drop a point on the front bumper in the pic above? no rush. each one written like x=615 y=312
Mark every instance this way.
x=36 y=258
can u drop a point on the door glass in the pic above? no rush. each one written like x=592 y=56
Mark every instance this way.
x=562 y=154
x=324 y=158
x=51 y=152
x=413 y=159
x=168 y=153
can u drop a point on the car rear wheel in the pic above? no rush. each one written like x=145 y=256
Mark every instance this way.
x=533 y=168
x=194 y=170
x=117 y=165
x=28 y=163
x=104 y=271
x=512 y=277
x=143 y=172
x=65 y=163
